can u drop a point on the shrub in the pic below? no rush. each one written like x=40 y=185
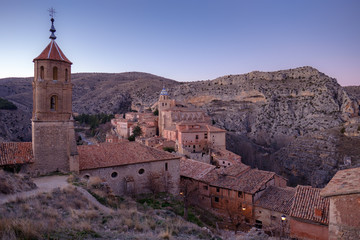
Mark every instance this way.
x=169 y=149
x=7 y=105
x=342 y=130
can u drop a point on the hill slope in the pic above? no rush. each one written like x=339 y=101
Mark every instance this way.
x=266 y=113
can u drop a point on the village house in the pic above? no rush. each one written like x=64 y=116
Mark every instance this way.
x=130 y=167
x=235 y=188
x=146 y=121
x=343 y=191
x=272 y=209
x=309 y=214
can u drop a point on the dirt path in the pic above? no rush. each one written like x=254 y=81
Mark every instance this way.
x=48 y=184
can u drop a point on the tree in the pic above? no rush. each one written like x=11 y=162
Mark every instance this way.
x=188 y=188
x=137 y=131
x=235 y=215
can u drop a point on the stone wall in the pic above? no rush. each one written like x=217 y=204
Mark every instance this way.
x=344 y=217
x=307 y=230
x=53 y=144
x=136 y=176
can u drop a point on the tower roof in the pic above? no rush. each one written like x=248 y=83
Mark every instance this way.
x=52 y=52
x=164 y=92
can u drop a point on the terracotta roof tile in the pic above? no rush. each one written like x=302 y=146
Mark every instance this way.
x=194 y=169
x=344 y=182
x=52 y=52
x=277 y=199
x=238 y=177
x=307 y=201
x=116 y=154
x=15 y=153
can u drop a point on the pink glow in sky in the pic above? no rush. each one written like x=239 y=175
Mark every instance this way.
x=186 y=40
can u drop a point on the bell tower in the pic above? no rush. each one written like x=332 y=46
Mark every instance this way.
x=53 y=135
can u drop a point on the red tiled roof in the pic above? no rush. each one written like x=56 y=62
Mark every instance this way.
x=344 y=182
x=277 y=199
x=194 y=169
x=307 y=200
x=247 y=180
x=15 y=153
x=116 y=154
x=53 y=52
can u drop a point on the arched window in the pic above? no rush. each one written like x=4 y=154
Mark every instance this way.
x=55 y=73
x=53 y=103
x=42 y=72
x=66 y=75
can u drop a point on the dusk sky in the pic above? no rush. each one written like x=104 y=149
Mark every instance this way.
x=185 y=40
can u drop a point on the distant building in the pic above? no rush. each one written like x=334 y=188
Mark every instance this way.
x=343 y=191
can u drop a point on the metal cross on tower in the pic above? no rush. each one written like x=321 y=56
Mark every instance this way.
x=52 y=12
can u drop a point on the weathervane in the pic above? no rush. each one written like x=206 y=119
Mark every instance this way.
x=51 y=12
x=52 y=29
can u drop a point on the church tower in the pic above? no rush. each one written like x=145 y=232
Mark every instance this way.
x=53 y=135
x=164 y=103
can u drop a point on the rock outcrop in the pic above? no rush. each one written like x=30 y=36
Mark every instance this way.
x=279 y=121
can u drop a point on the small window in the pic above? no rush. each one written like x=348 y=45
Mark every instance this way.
x=141 y=171
x=273 y=218
x=205 y=187
x=53 y=103
x=166 y=166
x=205 y=135
x=216 y=199
x=239 y=194
x=55 y=73
x=114 y=174
x=66 y=75
x=42 y=72
x=197 y=137
x=86 y=176
x=228 y=164
x=223 y=162
x=217 y=189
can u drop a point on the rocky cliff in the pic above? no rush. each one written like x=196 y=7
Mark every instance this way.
x=289 y=121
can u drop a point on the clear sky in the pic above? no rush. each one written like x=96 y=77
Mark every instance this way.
x=185 y=40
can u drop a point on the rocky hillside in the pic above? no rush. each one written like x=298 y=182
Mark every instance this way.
x=92 y=93
x=274 y=119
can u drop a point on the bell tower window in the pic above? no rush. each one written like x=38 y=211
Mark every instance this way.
x=42 y=72
x=66 y=75
x=53 y=103
x=55 y=73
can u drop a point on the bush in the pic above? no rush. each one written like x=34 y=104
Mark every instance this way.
x=342 y=130
x=169 y=149
x=7 y=105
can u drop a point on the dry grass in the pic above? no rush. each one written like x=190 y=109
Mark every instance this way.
x=66 y=214
x=12 y=183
